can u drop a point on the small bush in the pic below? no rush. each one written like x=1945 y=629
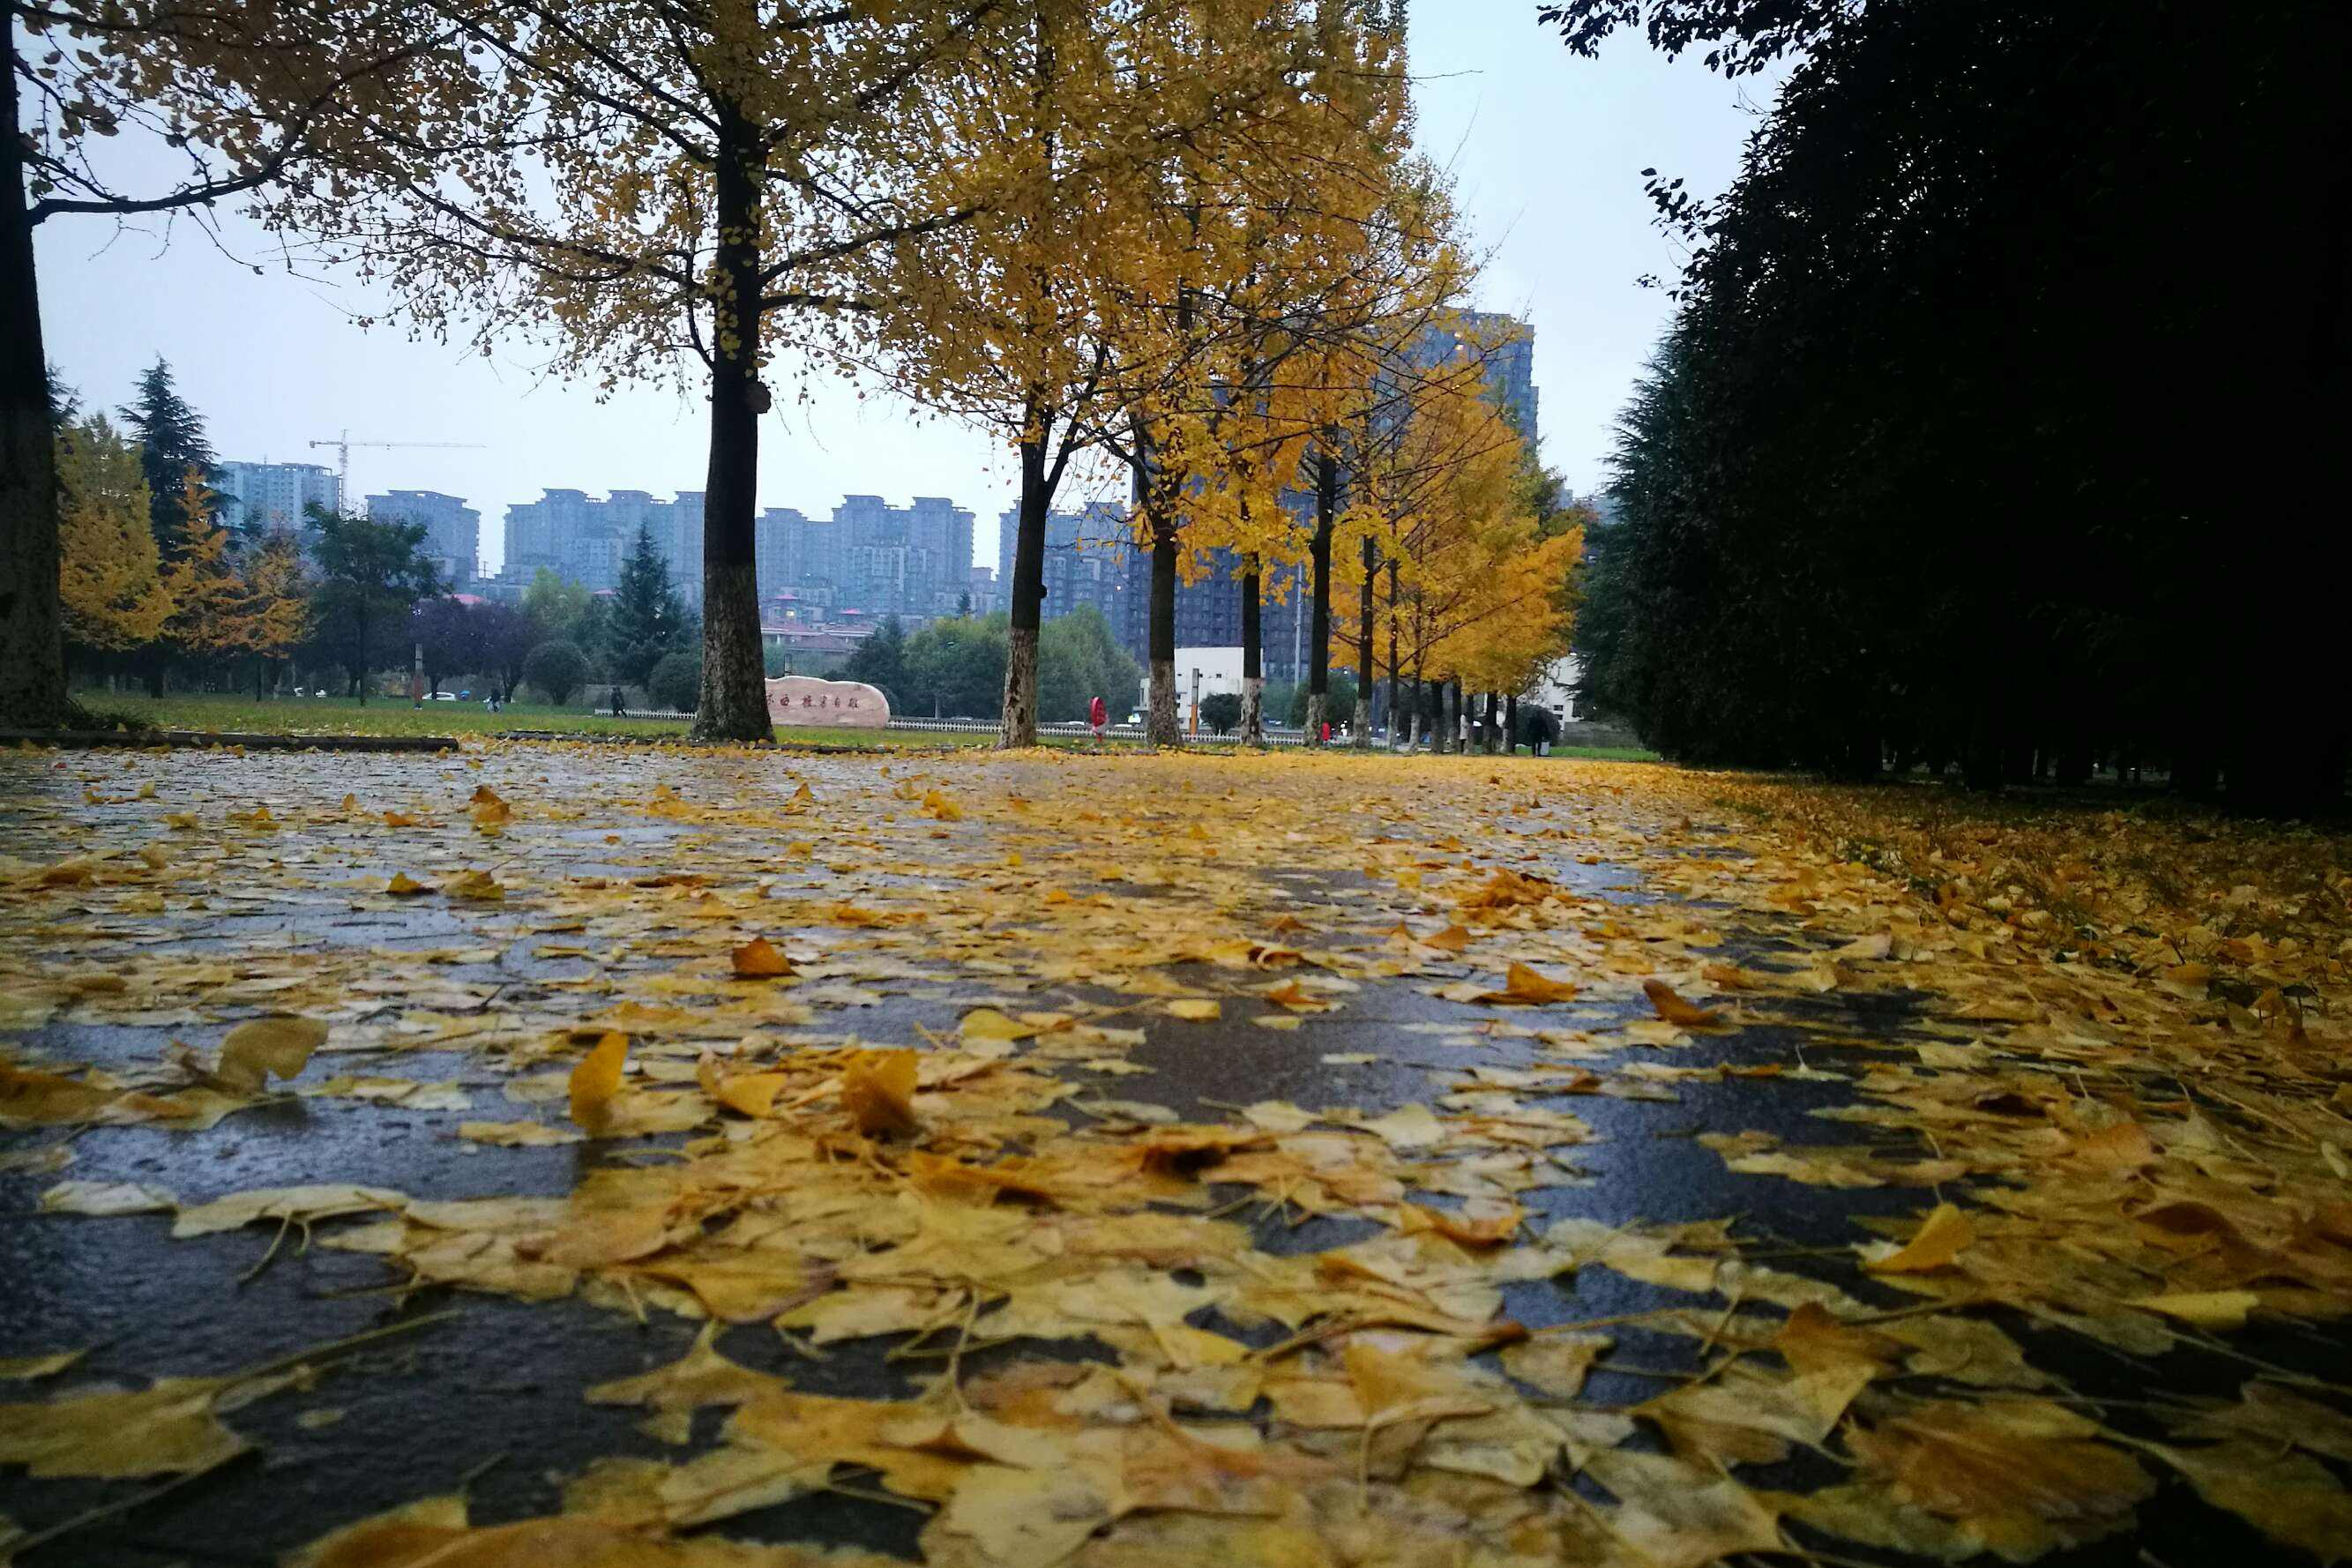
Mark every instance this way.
x=676 y=682
x=558 y=668
x=1220 y=711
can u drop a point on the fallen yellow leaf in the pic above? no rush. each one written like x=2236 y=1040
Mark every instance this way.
x=596 y=1079
x=262 y=1047
x=2205 y=1309
x=1940 y=1240
x=1674 y=1009
x=877 y=1089
x=759 y=959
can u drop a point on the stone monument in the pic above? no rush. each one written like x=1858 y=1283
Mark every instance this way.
x=805 y=701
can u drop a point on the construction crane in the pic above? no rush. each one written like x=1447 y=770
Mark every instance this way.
x=343 y=444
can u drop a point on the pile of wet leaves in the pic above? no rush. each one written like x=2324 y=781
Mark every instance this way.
x=860 y=1052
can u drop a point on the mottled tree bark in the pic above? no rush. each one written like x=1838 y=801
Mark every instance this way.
x=31 y=645
x=1160 y=726
x=1364 y=693
x=1019 y=725
x=1396 y=676
x=1253 y=725
x=732 y=701
x=1319 y=649
x=1511 y=726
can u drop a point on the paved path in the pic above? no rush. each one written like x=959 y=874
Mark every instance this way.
x=1096 y=893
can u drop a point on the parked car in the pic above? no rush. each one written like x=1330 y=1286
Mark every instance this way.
x=445 y=697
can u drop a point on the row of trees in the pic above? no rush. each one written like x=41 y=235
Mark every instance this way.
x=955 y=667
x=1190 y=238
x=2000 y=414
x=153 y=580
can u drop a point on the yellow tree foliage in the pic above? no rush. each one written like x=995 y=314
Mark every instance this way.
x=213 y=612
x=1466 y=581
x=1323 y=278
x=110 y=578
x=278 y=592
x=1087 y=148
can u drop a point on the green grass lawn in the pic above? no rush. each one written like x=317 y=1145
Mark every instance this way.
x=221 y=712
x=346 y=716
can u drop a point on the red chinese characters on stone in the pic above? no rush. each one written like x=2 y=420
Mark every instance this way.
x=796 y=700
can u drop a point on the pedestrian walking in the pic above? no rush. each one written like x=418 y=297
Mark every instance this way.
x=1098 y=716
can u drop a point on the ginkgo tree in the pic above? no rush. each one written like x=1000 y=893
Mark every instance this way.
x=1072 y=131
x=245 y=98
x=1259 y=221
x=1469 y=579
x=1315 y=300
x=110 y=583
x=674 y=189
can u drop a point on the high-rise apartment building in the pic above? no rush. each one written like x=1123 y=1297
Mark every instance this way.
x=452 y=530
x=1508 y=345
x=587 y=540
x=261 y=498
x=913 y=561
x=1086 y=556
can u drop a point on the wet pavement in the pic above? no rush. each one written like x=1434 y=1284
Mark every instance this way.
x=483 y=1395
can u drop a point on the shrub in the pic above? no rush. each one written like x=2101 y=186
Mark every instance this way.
x=558 y=668
x=676 y=682
x=1220 y=711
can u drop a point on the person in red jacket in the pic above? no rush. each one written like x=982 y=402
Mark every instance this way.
x=1099 y=717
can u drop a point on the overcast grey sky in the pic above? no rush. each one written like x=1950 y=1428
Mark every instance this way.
x=1548 y=151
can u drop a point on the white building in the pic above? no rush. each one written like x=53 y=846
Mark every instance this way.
x=1199 y=672
x=261 y=498
x=1556 y=687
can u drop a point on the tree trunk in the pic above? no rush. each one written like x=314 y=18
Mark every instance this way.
x=731 y=703
x=1364 y=650
x=32 y=639
x=1318 y=652
x=1396 y=679
x=1460 y=726
x=1510 y=726
x=1160 y=725
x=1494 y=721
x=360 y=631
x=1018 y=727
x=1253 y=725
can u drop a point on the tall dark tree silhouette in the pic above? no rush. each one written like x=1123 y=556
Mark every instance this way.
x=370 y=575
x=1892 y=491
x=648 y=620
x=172 y=448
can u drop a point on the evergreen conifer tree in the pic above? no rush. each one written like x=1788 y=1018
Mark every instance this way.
x=171 y=435
x=649 y=618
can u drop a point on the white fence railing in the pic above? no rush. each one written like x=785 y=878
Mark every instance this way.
x=1276 y=735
